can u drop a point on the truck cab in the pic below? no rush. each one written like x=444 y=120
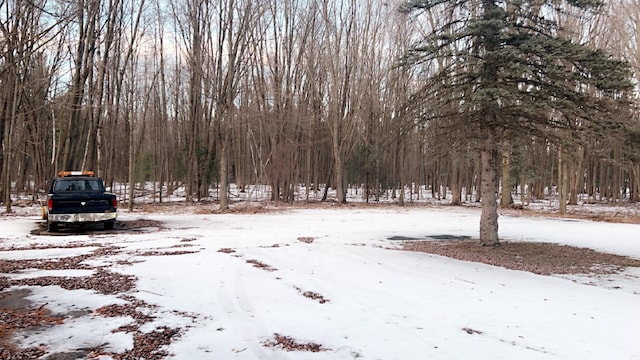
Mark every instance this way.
x=79 y=197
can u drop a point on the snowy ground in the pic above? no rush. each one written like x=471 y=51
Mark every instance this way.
x=237 y=284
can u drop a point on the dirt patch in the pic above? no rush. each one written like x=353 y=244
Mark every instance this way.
x=538 y=258
x=16 y=312
x=16 y=299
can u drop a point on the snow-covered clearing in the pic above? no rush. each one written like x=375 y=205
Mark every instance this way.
x=279 y=284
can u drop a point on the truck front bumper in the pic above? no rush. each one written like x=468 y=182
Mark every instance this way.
x=81 y=217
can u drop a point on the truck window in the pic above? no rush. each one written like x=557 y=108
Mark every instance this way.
x=92 y=185
x=77 y=185
x=62 y=185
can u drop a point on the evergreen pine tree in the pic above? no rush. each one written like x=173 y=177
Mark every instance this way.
x=513 y=72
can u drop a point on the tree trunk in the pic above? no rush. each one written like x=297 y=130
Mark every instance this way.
x=506 y=198
x=488 y=193
x=336 y=134
x=562 y=183
x=132 y=167
x=576 y=181
x=340 y=185
x=454 y=181
x=224 y=178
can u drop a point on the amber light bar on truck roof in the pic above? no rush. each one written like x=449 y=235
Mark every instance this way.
x=76 y=173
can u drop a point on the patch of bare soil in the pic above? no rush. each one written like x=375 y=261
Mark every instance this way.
x=538 y=258
x=14 y=316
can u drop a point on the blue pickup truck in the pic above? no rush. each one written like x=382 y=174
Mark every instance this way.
x=79 y=197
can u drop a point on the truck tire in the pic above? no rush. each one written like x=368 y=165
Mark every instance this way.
x=108 y=225
x=52 y=227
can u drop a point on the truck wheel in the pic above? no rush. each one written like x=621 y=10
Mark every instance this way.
x=52 y=227
x=108 y=225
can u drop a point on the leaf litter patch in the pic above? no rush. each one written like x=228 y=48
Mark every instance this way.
x=146 y=345
x=288 y=343
x=306 y=239
x=168 y=253
x=538 y=258
x=429 y=237
x=312 y=295
x=120 y=227
x=18 y=313
x=24 y=317
x=260 y=265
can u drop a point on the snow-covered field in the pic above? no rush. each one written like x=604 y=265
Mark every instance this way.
x=237 y=284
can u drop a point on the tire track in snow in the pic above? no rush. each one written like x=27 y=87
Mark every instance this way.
x=241 y=317
x=325 y=271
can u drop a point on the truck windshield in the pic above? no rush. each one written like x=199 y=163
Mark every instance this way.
x=77 y=185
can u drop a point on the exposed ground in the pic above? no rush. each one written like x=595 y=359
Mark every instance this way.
x=17 y=313
x=538 y=258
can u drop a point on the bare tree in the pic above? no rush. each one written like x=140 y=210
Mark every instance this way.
x=25 y=79
x=236 y=23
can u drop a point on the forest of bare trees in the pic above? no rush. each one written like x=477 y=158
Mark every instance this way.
x=283 y=93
